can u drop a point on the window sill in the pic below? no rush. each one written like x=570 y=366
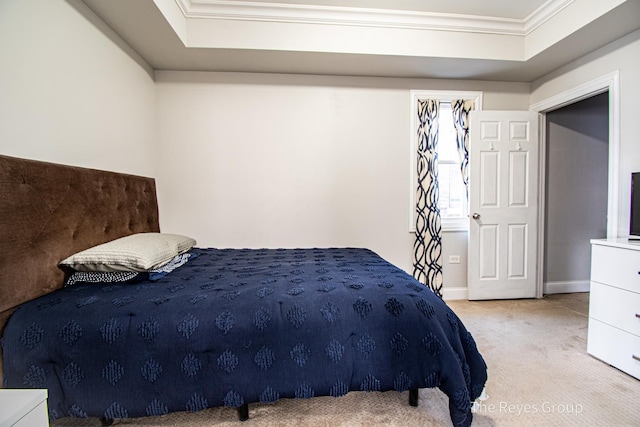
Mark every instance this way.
x=451 y=225
x=455 y=225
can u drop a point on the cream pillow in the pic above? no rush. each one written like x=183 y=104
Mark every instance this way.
x=137 y=252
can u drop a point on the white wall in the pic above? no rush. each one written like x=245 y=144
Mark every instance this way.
x=70 y=90
x=622 y=55
x=256 y=160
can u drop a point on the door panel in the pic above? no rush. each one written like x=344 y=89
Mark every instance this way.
x=518 y=173
x=503 y=192
x=517 y=251
x=488 y=235
x=489 y=190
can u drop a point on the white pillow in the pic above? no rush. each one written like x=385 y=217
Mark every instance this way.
x=137 y=252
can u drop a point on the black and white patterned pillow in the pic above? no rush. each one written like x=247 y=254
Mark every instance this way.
x=102 y=277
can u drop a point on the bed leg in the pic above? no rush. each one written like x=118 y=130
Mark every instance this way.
x=243 y=412
x=413 y=397
x=104 y=421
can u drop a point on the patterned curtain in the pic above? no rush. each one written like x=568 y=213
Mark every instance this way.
x=427 y=249
x=461 y=110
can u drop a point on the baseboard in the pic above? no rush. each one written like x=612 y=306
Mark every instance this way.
x=566 y=287
x=569 y=287
x=450 y=294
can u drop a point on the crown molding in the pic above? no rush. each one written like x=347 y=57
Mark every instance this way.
x=544 y=13
x=366 y=17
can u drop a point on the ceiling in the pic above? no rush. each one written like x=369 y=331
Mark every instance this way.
x=503 y=40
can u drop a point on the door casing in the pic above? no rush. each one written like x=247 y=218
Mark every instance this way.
x=611 y=83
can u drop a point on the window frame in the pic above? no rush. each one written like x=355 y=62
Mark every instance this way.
x=448 y=224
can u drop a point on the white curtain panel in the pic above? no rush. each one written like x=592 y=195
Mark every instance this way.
x=460 y=109
x=427 y=249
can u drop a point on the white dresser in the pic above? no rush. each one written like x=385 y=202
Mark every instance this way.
x=614 y=304
x=23 y=408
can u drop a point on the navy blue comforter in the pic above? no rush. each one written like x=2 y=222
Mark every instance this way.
x=241 y=326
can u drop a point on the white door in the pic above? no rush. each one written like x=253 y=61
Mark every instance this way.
x=503 y=204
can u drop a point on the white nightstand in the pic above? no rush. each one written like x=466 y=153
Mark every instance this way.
x=23 y=408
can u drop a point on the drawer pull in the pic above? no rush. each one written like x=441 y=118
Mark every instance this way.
x=635 y=357
x=638 y=315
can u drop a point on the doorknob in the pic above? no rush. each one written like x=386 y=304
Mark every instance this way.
x=475 y=216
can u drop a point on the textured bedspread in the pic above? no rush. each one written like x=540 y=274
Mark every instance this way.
x=242 y=326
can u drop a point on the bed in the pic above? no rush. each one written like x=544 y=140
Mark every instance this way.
x=229 y=327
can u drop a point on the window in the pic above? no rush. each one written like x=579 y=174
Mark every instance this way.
x=452 y=202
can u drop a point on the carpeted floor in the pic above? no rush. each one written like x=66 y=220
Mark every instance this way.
x=539 y=375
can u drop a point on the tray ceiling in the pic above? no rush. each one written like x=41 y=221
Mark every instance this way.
x=491 y=39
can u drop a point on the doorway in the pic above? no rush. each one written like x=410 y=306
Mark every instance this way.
x=605 y=83
x=576 y=191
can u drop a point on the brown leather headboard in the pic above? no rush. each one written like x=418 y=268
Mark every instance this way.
x=50 y=211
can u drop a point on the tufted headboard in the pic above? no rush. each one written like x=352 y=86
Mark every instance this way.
x=50 y=211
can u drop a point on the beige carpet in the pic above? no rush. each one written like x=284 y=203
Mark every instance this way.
x=539 y=375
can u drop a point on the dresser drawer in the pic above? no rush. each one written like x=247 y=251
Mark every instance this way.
x=616 y=267
x=614 y=346
x=616 y=307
